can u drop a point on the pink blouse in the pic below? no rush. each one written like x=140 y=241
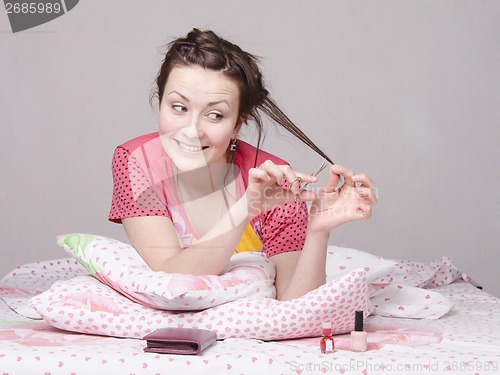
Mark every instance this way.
x=144 y=186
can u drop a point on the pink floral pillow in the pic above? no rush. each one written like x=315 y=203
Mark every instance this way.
x=119 y=266
x=83 y=304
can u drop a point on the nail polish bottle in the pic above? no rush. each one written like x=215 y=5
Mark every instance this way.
x=327 y=344
x=359 y=337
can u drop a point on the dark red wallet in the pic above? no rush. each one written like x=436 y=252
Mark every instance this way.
x=179 y=340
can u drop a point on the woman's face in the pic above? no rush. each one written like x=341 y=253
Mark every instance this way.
x=198 y=116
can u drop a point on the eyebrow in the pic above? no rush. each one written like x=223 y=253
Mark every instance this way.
x=208 y=104
x=219 y=101
x=178 y=93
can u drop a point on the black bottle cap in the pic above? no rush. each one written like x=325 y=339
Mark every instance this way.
x=358 y=321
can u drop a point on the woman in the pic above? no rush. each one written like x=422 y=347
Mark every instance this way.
x=192 y=194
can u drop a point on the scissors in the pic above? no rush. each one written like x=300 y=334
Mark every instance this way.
x=317 y=172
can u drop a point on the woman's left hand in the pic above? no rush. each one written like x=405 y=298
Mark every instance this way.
x=353 y=201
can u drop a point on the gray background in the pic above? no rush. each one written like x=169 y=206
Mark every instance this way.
x=406 y=91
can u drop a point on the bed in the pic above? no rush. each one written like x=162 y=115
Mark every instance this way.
x=422 y=318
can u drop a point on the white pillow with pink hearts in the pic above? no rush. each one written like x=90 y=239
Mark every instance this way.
x=84 y=304
x=119 y=266
x=342 y=260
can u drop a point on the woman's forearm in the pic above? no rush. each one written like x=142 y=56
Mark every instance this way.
x=211 y=253
x=310 y=268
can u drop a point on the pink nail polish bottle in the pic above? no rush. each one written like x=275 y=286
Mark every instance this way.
x=359 y=337
x=326 y=343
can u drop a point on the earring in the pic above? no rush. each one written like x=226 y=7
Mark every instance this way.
x=232 y=147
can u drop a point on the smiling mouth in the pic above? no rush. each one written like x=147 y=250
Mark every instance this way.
x=191 y=148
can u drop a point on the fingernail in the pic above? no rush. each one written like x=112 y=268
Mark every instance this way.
x=354 y=177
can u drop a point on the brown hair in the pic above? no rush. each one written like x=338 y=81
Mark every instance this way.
x=208 y=50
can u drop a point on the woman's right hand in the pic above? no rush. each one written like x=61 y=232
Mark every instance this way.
x=271 y=185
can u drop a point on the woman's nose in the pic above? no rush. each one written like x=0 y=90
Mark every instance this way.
x=194 y=128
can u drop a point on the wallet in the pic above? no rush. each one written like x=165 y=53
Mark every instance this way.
x=179 y=340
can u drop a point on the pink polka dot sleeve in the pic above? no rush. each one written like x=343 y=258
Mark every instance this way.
x=284 y=228
x=133 y=194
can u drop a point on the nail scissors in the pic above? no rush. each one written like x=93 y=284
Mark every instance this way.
x=323 y=165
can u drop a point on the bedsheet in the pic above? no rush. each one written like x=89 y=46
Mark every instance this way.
x=463 y=341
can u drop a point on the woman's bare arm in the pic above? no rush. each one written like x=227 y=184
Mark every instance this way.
x=156 y=240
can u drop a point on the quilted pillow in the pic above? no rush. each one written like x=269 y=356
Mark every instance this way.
x=83 y=304
x=119 y=266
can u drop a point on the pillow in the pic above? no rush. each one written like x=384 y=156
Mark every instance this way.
x=405 y=301
x=436 y=273
x=341 y=260
x=119 y=266
x=83 y=304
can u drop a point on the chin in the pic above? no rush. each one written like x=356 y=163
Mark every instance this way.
x=189 y=164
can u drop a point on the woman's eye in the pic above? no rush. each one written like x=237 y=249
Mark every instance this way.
x=179 y=108
x=215 y=116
